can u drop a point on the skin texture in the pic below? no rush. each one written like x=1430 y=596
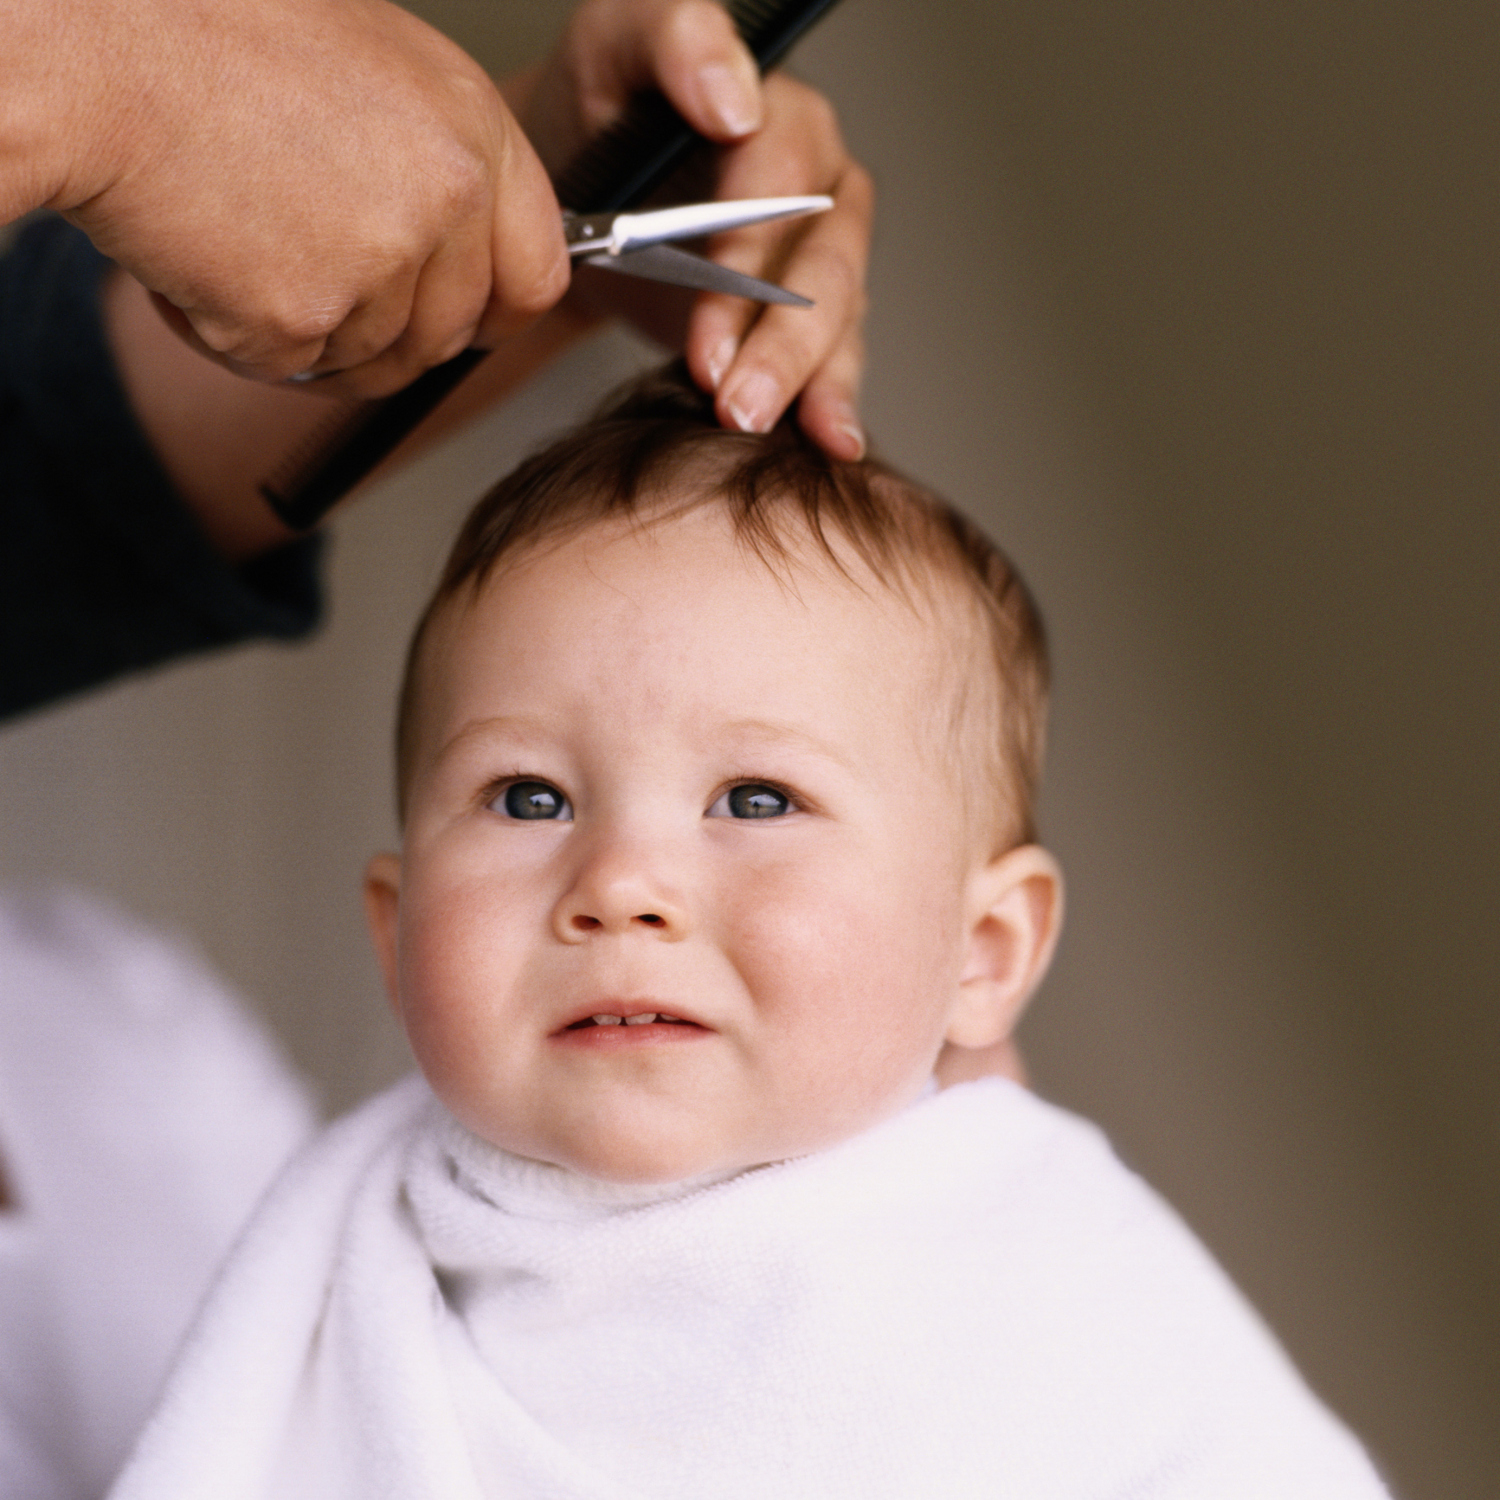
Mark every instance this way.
x=824 y=955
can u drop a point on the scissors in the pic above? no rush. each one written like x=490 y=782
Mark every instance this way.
x=639 y=244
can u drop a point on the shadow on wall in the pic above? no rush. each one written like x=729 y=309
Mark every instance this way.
x=1186 y=305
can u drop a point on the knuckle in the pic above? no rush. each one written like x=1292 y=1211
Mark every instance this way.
x=812 y=110
x=268 y=333
x=219 y=335
x=836 y=275
x=306 y=323
x=459 y=178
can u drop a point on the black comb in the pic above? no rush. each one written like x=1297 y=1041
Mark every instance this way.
x=614 y=171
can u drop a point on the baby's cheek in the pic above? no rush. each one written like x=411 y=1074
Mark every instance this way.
x=442 y=966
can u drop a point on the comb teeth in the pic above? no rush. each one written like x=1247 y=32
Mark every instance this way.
x=619 y=167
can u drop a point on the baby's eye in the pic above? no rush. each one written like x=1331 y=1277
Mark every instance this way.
x=532 y=800
x=751 y=799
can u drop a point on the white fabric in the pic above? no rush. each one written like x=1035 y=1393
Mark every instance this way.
x=142 y=1115
x=974 y=1299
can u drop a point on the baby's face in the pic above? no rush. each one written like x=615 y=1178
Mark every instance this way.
x=656 y=781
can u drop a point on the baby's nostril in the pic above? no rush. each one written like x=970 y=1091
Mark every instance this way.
x=652 y=920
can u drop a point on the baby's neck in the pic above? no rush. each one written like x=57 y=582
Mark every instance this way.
x=542 y=1190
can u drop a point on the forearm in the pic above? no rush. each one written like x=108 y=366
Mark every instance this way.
x=218 y=436
x=102 y=568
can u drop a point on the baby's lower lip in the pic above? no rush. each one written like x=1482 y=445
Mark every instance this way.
x=634 y=1034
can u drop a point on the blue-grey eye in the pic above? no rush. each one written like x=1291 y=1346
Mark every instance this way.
x=753 y=800
x=535 y=799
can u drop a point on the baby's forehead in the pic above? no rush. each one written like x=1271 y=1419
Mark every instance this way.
x=778 y=540
x=903 y=619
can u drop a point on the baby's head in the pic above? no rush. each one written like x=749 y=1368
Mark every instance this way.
x=708 y=728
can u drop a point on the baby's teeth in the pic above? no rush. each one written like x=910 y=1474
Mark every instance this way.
x=606 y=1020
x=645 y=1018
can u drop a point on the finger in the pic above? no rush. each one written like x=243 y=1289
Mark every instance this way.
x=718 y=325
x=291 y=359
x=786 y=347
x=529 y=258
x=687 y=48
x=828 y=409
x=371 y=328
x=449 y=299
x=799 y=150
x=700 y=63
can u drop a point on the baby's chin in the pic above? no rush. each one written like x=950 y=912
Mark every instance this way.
x=646 y=1164
x=631 y=1143
x=624 y=1160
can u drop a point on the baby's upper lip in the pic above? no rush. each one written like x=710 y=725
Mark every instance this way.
x=627 y=1008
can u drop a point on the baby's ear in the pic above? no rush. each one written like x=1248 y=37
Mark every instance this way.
x=382 y=901
x=1013 y=914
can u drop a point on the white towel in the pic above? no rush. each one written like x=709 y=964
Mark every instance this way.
x=973 y=1299
x=142 y=1115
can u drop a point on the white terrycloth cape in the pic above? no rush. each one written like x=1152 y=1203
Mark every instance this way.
x=973 y=1299
x=142 y=1115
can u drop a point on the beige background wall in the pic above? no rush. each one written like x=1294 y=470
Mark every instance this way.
x=1191 y=304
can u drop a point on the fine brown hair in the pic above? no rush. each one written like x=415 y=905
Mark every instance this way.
x=656 y=449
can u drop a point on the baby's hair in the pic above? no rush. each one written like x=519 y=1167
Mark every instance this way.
x=655 y=449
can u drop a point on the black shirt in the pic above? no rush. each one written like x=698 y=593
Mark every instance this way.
x=103 y=569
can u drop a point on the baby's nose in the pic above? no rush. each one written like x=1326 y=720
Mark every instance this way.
x=621 y=888
x=583 y=922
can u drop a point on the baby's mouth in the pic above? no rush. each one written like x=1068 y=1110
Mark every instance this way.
x=641 y=1018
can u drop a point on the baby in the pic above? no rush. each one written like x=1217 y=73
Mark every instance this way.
x=716 y=766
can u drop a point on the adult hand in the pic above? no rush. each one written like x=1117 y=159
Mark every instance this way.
x=779 y=137
x=306 y=184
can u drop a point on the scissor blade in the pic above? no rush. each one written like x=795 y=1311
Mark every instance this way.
x=683 y=268
x=689 y=220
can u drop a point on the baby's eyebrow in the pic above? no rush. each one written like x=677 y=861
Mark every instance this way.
x=739 y=736
x=780 y=732
x=500 y=727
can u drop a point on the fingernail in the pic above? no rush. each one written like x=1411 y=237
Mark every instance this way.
x=719 y=361
x=856 y=435
x=754 y=404
x=728 y=99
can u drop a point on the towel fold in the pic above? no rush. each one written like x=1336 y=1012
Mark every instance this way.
x=973 y=1299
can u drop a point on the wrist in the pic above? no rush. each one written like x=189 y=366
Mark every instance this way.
x=65 y=84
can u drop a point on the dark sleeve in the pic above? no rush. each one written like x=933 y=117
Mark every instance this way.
x=103 y=569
